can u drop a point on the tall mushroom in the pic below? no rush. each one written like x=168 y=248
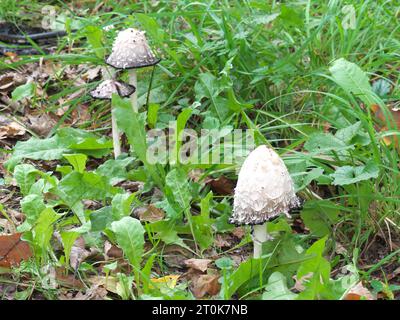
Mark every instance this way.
x=105 y=91
x=264 y=190
x=131 y=51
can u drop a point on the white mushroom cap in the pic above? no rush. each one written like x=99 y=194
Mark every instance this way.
x=131 y=50
x=264 y=189
x=106 y=89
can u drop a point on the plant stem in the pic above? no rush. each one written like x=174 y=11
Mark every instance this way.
x=133 y=82
x=150 y=84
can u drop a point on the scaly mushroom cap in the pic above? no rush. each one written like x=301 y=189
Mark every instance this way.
x=106 y=88
x=264 y=189
x=131 y=50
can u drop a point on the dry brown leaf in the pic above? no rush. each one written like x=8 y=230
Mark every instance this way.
x=221 y=242
x=10 y=129
x=150 y=213
x=110 y=283
x=359 y=292
x=93 y=293
x=388 y=140
x=205 y=284
x=79 y=253
x=112 y=251
x=239 y=232
x=68 y=280
x=13 y=250
x=9 y=81
x=222 y=185
x=41 y=124
x=92 y=74
x=198 y=264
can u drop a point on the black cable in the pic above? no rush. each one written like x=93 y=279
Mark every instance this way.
x=36 y=36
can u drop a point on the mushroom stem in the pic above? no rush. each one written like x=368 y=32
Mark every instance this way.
x=133 y=82
x=259 y=237
x=108 y=74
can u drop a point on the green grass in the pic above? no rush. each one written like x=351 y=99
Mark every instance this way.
x=277 y=58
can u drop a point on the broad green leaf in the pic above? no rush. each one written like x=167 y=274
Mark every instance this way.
x=202 y=224
x=286 y=259
x=68 y=238
x=114 y=170
x=129 y=233
x=43 y=231
x=24 y=91
x=25 y=175
x=94 y=36
x=323 y=143
x=67 y=140
x=177 y=190
x=381 y=87
x=101 y=219
x=133 y=124
x=181 y=121
x=75 y=187
x=84 y=142
x=224 y=263
x=151 y=26
x=291 y=16
x=32 y=205
x=234 y=104
x=348 y=175
x=314 y=273
x=207 y=86
x=78 y=161
x=170 y=236
x=353 y=134
x=353 y=80
x=277 y=289
x=121 y=205
x=319 y=216
x=37 y=149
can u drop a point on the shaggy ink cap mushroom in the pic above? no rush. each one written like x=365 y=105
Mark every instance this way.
x=131 y=50
x=106 y=89
x=264 y=189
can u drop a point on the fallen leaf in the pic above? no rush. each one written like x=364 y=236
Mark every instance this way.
x=93 y=293
x=79 y=253
x=239 y=232
x=92 y=73
x=395 y=122
x=68 y=280
x=110 y=283
x=222 y=185
x=41 y=124
x=359 y=292
x=150 y=213
x=112 y=251
x=13 y=250
x=221 y=242
x=198 y=264
x=205 y=284
x=170 y=281
x=10 y=129
x=9 y=81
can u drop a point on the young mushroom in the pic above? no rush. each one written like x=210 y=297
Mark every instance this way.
x=105 y=91
x=131 y=51
x=264 y=190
